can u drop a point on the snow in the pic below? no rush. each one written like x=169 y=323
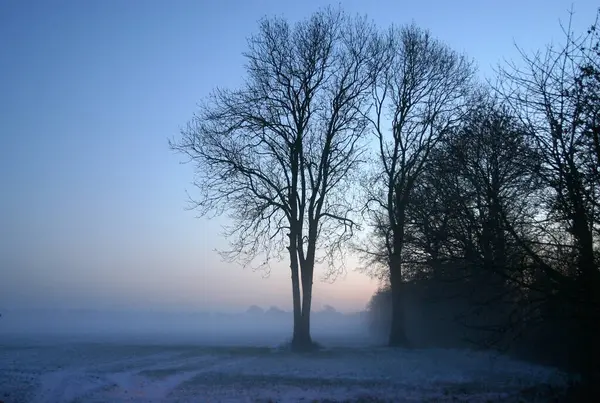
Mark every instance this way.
x=61 y=371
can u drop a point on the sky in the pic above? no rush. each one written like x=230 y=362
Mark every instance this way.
x=92 y=200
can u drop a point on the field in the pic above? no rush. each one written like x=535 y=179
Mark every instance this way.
x=57 y=369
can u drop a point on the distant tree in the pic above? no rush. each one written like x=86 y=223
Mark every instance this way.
x=419 y=96
x=329 y=310
x=255 y=310
x=279 y=153
x=379 y=313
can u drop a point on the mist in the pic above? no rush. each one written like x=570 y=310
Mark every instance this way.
x=254 y=327
x=149 y=356
x=187 y=185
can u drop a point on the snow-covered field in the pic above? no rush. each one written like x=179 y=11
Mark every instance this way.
x=58 y=369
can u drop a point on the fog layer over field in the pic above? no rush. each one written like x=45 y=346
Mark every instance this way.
x=254 y=327
x=90 y=356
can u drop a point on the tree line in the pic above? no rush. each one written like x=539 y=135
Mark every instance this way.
x=348 y=138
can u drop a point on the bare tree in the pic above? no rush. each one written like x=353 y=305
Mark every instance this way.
x=417 y=98
x=555 y=95
x=279 y=153
x=490 y=167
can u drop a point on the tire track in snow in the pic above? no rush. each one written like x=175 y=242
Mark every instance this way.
x=80 y=381
x=132 y=385
x=86 y=383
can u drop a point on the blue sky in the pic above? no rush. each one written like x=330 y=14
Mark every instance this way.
x=92 y=207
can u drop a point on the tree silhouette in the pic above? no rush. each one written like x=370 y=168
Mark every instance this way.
x=279 y=153
x=483 y=176
x=423 y=92
x=555 y=96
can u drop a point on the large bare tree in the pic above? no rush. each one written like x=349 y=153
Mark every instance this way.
x=420 y=94
x=554 y=92
x=279 y=153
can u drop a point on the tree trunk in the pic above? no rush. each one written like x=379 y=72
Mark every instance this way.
x=589 y=317
x=589 y=279
x=302 y=340
x=295 y=288
x=397 y=331
x=297 y=307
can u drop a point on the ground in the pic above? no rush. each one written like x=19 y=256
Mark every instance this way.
x=124 y=371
